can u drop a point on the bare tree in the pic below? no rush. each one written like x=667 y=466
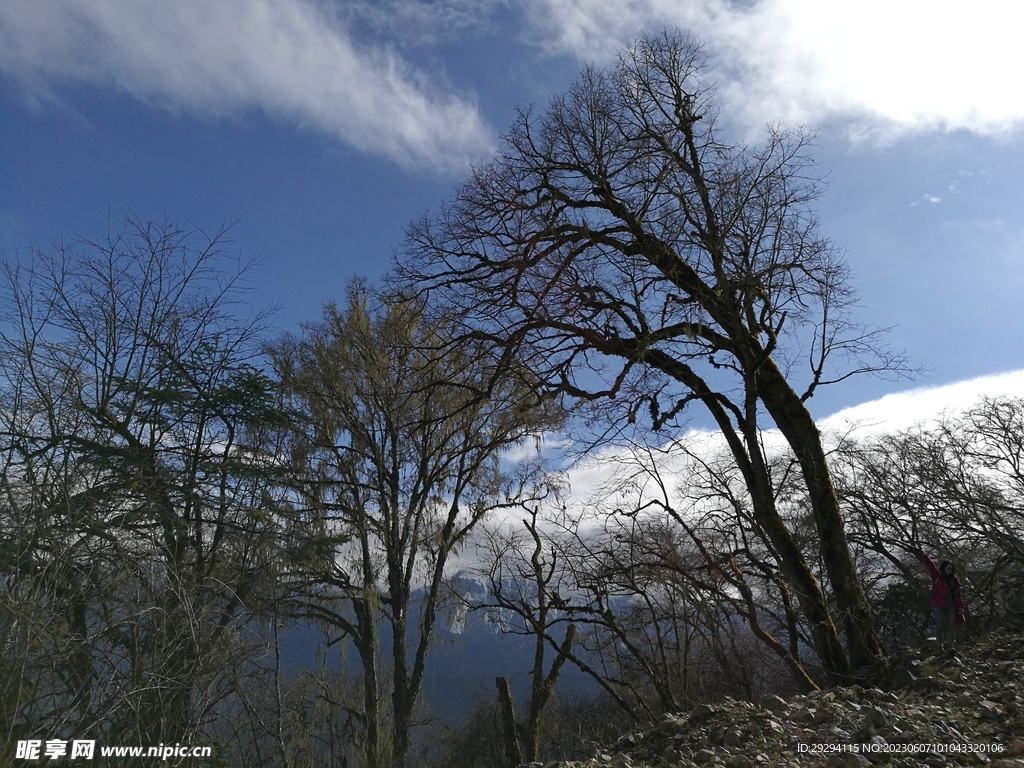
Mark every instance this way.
x=522 y=573
x=133 y=482
x=630 y=255
x=955 y=487
x=684 y=541
x=400 y=440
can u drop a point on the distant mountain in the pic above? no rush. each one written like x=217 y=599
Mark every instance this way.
x=470 y=649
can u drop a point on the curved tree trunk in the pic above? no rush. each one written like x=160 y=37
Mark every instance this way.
x=755 y=474
x=798 y=427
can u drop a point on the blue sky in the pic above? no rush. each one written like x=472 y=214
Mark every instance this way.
x=327 y=126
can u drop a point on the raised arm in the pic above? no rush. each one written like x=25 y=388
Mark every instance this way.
x=932 y=570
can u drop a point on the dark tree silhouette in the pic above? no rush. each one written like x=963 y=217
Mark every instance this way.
x=626 y=252
x=398 y=441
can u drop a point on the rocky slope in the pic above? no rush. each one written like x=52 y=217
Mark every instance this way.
x=928 y=711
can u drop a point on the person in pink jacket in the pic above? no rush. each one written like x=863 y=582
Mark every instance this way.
x=947 y=602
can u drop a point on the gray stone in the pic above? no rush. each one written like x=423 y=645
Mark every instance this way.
x=801 y=715
x=990 y=709
x=903 y=678
x=952 y=673
x=822 y=714
x=943 y=709
x=701 y=711
x=875 y=716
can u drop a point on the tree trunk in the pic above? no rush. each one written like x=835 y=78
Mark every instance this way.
x=798 y=427
x=791 y=659
x=401 y=700
x=367 y=647
x=745 y=451
x=508 y=723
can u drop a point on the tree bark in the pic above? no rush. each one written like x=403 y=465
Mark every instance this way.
x=508 y=722
x=795 y=422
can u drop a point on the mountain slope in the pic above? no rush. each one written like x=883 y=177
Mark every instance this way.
x=933 y=711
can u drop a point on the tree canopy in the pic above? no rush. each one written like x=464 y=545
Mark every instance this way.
x=628 y=253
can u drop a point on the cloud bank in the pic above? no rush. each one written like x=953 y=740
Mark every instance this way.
x=922 y=405
x=885 y=67
x=285 y=57
x=591 y=480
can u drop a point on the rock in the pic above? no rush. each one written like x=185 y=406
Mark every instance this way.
x=903 y=678
x=952 y=673
x=702 y=711
x=801 y=715
x=847 y=760
x=876 y=717
x=980 y=703
x=990 y=709
x=822 y=714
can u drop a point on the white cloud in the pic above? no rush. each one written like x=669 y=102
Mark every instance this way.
x=884 y=66
x=923 y=404
x=425 y=22
x=591 y=479
x=285 y=57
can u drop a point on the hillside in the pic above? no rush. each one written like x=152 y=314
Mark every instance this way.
x=928 y=708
